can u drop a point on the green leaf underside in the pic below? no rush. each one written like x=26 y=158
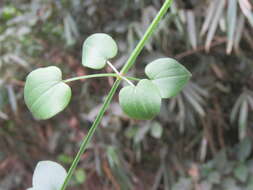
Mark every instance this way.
x=97 y=49
x=45 y=94
x=142 y=101
x=168 y=75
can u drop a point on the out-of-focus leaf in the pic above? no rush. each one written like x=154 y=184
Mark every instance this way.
x=191 y=28
x=210 y=13
x=214 y=177
x=179 y=18
x=195 y=104
x=8 y=12
x=230 y=183
x=220 y=160
x=70 y=30
x=112 y=156
x=141 y=133
x=250 y=100
x=131 y=131
x=156 y=130
x=243 y=116
x=80 y=176
x=206 y=186
x=12 y=99
x=244 y=149
x=3 y=116
x=65 y=159
x=239 y=31
x=250 y=183
x=246 y=8
x=231 y=21
x=236 y=107
x=220 y=4
x=241 y=173
x=184 y=184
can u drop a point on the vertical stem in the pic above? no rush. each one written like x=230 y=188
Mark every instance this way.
x=108 y=99
x=146 y=36
x=91 y=132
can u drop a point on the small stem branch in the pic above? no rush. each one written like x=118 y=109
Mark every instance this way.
x=91 y=76
x=97 y=76
x=119 y=74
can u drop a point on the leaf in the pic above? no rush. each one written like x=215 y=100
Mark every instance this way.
x=45 y=94
x=236 y=107
x=243 y=116
x=156 y=130
x=220 y=4
x=97 y=49
x=112 y=156
x=208 y=18
x=141 y=133
x=48 y=175
x=231 y=21
x=191 y=28
x=214 y=177
x=168 y=75
x=131 y=131
x=244 y=149
x=246 y=8
x=142 y=101
x=241 y=173
x=80 y=176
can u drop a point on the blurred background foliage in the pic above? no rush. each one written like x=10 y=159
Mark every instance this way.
x=202 y=139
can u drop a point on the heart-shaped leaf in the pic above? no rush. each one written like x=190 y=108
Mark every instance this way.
x=142 y=101
x=97 y=49
x=45 y=93
x=168 y=75
x=48 y=175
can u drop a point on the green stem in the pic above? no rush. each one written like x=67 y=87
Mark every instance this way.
x=90 y=133
x=108 y=99
x=146 y=36
x=98 y=75
x=91 y=76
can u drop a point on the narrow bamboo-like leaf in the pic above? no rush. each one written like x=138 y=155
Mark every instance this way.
x=168 y=75
x=97 y=49
x=246 y=8
x=243 y=119
x=191 y=28
x=236 y=107
x=45 y=94
x=142 y=101
x=195 y=104
x=48 y=175
x=231 y=21
x=210 y=12
x=239 y=30
x=214 y=24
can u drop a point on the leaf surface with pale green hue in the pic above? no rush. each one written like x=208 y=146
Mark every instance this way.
x=45 y=94
x=142 y=101
x=168 y=75
x=97 y=49
x=48 y=175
